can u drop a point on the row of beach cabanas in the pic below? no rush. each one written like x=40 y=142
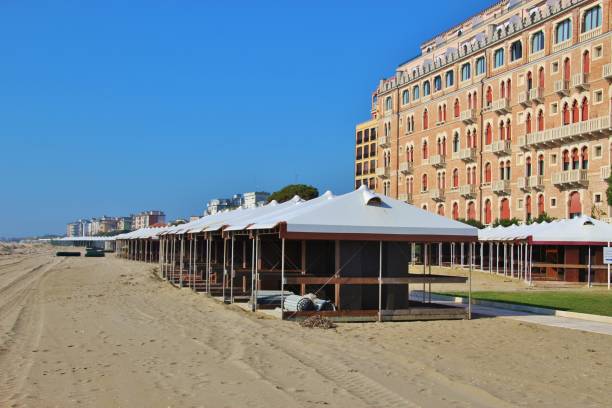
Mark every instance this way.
x=352 y=257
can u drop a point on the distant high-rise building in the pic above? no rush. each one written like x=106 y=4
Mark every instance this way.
x=254 y=199
x=148 y=218
x=246 y=200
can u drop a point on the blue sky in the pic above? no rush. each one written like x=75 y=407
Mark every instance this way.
x=119 y=106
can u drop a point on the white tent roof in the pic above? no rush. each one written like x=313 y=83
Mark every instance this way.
x=80 y=239
x=576 y=231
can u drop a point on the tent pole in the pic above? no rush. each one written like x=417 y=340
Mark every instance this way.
x=283 y=279
x=439 y=254
x=470 y=289
x=530 y=265
x=380 y=255
x=589 y=268
x=608 y=270
x=497 y=258
x=224 y=266
x=424 y=254
x=481 y=257
x=232 y=273
x=253 y=274
x=461 y=254
x=429 y=261
x=190 y=261
x=195 y=259
x=257 y=257
x=512 y=260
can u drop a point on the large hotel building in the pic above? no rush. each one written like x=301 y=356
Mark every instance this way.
x=506 y=115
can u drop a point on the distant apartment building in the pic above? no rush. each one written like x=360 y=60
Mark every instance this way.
x=125 y=223
x=507 y=114
x=254 y=199
x=147 y=218
x=246 y=200
x=365 y=154
x=79 y=228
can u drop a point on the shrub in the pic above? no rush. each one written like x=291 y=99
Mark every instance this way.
x=305 y=192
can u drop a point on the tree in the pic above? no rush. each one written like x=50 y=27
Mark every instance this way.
x=473 y=223
x=506 y=223
x=541 y=218
x=304 y=191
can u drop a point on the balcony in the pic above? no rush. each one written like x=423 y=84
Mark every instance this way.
x=591 y=128
x=570 y=178
x=580 y=81
x=406 y=197
x=383 y=172
x=590 y=34
x=501 y=148
x=523 y=183
x=468 y=190
x=468 y=155
x=562 y=87
x=523 y=99
x=406 y=168
x=469 y=116
x=437 y=160
x=562 y=45
x=437 y=194
x=384 y=141
x=604 y=172
x=499 y=106
x=501 y=187
x=607 y=71
x=536 y=94
x=536 y=182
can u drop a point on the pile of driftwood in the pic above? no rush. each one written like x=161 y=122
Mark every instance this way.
x=318 y=322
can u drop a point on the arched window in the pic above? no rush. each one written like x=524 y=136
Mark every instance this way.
x=541 y=204
x=405 y=97
x=529 y=81
x=425 y=150
x=415 y=92
x=502 y=133
x=480 y=66
x=455 y=211
x=424 y=182
x=528 y=207
x=563 y=31
x=488 y=173
x=567 y=69
x=502 y=171
x=388 y=104
x=450 y=78
x=456 y=108
x=541 y=165
x=540 y=120
x=410 y=185
x=591 y=19
x=575 y=206
x=584 y=156
x=528 y=166
x=509 y=89
x=508 y=170
x=516 y=51
x=439 y=113
x=566 y=114
x=444 y=112
x=528 y=123
x=541 y=77
x=441 y=209
x=585 y=109
x=489 y=96
x=469 y=138
x=475 y=100
x=424 y=207
x=502 y=89
x=498 y=58
x=575 y=112
x=466 y=72
x=537 y=42
x=566 y=160
x=425 y=119
x=437 y=83
x=504 y=212
x=489 y=134
x=471 y=211
x=426 y=88
x=473 y=171
x=575 y=159
x=455 y=142
x=508 y=132
x=487 y=212
x=456 y=178
x=586 y=62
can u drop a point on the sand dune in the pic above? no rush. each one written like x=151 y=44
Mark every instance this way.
x=104 y=332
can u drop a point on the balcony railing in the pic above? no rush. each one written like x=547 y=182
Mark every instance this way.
x=564 y=134
x=536 y=94
x=437 y=194
x=437 y=160
x=607 y=71
x=501 y=186
x=590 y=34
x=383 y=172
x=580 y=81
x=523 y=98
x=562 y=87
x=501 y=147
x=406 y=197
x=604 y=172
x=562 y=45
x=536 y=182
x=468 y=190
x=570 y=178
x=468 y=154
x=469 y=116
x=406 y=167
x=499 y=105
x=384 y=141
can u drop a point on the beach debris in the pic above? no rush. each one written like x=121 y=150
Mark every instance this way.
x=317 y=322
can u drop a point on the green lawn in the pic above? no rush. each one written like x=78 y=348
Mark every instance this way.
x=593 y=302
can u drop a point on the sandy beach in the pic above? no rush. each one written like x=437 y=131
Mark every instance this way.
x=105 y=332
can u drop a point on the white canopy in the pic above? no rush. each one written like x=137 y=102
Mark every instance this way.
x=576 y=231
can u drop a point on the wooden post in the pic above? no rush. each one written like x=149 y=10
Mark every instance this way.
x=608 y=270
x=224 y=266
x=253 y=274
x=589 y=268
x=303 y=265
x=337 y=272
x=470 y=289
x=282 y=278
x=181 y=260
x=380 y=267
x=232 y=273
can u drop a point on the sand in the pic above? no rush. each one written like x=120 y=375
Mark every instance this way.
x=105 y=332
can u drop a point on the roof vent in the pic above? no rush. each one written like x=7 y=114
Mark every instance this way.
x=588 y=222
x=370 y=198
